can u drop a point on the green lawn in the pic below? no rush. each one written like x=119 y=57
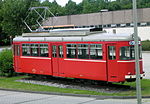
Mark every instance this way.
x=10 y=83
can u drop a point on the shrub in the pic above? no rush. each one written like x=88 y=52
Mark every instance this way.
x=146 y=45
x=6 y=63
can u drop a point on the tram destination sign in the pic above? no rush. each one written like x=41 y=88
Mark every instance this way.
x=133 y=42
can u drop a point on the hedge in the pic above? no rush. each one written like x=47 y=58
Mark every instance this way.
x=6 y=63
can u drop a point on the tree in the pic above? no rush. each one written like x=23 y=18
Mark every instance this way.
x=89 y=6
x=56 y=9
x=14 y=12
x=6 y=63
x=71 y=8
x=114 y=6
x=102 y=4
x=3 y=37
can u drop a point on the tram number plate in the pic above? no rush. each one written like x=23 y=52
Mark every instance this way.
x=133 y=42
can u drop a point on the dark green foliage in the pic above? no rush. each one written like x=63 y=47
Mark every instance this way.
x=6 y=63
x=71 y=8
x=146 y=45
x=12 y=12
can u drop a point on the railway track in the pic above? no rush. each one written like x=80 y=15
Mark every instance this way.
x=80 y=84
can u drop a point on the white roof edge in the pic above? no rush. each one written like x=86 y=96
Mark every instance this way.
x=94 y=37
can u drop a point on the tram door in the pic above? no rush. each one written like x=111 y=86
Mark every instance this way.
x=16 y=56
x=57 y=58
x=112 y=62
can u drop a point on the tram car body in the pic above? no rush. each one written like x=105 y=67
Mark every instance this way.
x=77 y=53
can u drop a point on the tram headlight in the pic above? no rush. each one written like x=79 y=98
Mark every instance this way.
x=129 y=73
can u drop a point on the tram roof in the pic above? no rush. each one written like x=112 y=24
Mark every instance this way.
x=93 y=37
x=85 y=34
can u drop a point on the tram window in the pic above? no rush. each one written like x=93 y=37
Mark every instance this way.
x=127 y=53
x=96 y=51
x=60 y=51
x=44 y=50
x=83 y=51
x=26 y=50
x=16 y=50
x=54 y=51
x=112 y=52
x=140 y=52
x=71 y=51
x=34 y=50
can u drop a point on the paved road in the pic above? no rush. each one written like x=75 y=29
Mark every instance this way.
x=146 y=64
x=1 y=48
x=12 y=97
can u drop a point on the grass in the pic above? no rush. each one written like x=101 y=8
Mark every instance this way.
x=146 y=45
x=10 y=83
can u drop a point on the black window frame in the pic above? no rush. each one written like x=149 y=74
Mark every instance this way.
x=26 y=47
x=71 y=50
x=54 y=51
x=128 y=53
x=60 y=51
x=112 y=52
x=34 y=49
x=97 y=51
x=83 y=51
x=43 y=50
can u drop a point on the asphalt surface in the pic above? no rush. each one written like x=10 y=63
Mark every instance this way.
x=1 y=48
x=146 y=64
x=13 y=97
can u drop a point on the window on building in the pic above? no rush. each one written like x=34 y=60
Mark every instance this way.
x=26 y=50
x=83 y=51
x=44 y=50
x=34 y=50
x=96 y=51
x=112 y=52
x=71 y=51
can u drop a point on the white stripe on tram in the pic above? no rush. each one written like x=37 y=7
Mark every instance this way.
x=84 y=60
x=35 y=57
x=128 y=61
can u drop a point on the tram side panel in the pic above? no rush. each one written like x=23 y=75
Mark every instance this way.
x=127 y=69
x=16 y=57
x=31 y=62
x=84 y=68
x=112 y=65
x=126 y=62
x=35 y=66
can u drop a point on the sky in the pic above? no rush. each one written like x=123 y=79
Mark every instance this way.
x=63 y=2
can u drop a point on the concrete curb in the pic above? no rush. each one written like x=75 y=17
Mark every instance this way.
x=145 y=51
x=76 y=95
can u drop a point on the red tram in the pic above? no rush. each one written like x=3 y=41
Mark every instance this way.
x=77 y=53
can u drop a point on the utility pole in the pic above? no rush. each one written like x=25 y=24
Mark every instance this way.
x=136 y=48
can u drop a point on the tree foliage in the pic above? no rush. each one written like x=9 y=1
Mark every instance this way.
x=12 y=12
x=6 y=63
x=71 y=8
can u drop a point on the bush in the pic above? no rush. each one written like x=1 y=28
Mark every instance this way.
x=6 y=63
x=146 y=45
